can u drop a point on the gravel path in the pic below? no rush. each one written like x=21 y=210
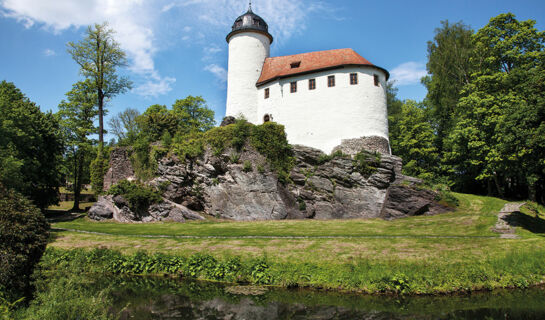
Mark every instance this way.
x=503 y=227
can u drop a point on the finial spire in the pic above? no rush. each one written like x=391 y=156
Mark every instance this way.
x=250 y=6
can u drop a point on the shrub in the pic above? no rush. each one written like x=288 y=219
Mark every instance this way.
x=270 y=140
x=138 y=195
x=366 y=163
x=23 y=238
x=98 y=169
x=247 y=166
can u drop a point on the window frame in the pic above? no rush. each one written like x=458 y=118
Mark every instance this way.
x=293 y=87
x=376 y=80
x=312 y=84
x=353 y=78
x=267 y=93
x=331 y=81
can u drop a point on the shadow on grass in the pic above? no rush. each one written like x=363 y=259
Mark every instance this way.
x=63 y=215
x=532 y=224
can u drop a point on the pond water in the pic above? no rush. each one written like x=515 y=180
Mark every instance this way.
x=166 y=298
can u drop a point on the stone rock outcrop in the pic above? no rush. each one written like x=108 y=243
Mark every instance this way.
x=120 y=167
x=321 y=187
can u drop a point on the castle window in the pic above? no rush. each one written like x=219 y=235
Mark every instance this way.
x=295 y=64
x=375 y=76
x=293 y=87
x=266 y=93
x=353 y=78
x=266 y=118
x=311 y=84
x=331 y=81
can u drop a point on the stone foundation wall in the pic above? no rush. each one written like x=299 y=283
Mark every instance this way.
x=373 y=143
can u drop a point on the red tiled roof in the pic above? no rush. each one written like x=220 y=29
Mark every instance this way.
x=280 y=67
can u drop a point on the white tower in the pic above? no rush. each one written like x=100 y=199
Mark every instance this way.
x=249 y=46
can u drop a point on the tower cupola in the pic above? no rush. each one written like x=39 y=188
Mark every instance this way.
x=249 y=22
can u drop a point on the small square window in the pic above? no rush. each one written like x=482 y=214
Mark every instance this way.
x=266 y=93
x=353 y=78
x=293 y=87
x=331 y=81
x=312 y=84
x=377 y=82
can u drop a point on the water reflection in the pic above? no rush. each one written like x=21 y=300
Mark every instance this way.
x=160 y=298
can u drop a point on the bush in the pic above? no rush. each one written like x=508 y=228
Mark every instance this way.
x=98 y=169
x=139 y=196
x=366 y=163
x=247 y=166
x=23 y=238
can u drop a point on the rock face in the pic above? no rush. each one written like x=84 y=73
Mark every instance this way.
x=120 y=167
x=227 y=187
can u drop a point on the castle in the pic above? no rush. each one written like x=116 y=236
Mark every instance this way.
x=330 y=100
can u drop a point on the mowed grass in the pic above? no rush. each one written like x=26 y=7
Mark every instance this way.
x=67 y=205
x=456 y=251
x=473 y=218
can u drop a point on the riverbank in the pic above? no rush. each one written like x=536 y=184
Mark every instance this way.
x=453 y=252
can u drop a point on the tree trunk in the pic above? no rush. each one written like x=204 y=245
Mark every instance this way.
x=78 y=172
x=497 y=182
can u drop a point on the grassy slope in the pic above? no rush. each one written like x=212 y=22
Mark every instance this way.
x=474 y=258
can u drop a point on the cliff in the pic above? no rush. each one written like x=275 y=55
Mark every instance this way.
x=242 y=186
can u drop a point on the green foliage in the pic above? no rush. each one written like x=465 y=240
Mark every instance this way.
x=31 y=147
x=247 y=166
x=326 y=158
x=449 y=69
x=234 y=157
x=99 y=56
x=77 y=115
x=366 y=163
x=270 y=140
x=194 y=114
x=412 y=139
x=189 y=146
x=139 y=196
x=157 y=120
x=260 y=168
x=497 y=142
x=98 y=168
x=23 y=237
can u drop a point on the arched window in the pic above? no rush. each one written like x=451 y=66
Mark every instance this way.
x=266 y=118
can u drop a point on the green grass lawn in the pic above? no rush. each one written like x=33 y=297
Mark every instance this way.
x=459 y=246
x=67 y=205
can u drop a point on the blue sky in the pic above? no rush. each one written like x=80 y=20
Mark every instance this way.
x=177 y=47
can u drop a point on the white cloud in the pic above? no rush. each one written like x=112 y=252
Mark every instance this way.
x=132 y=20
x=408 y=73
x=219 y=72
x=187 y=29
x=49 y=52
x=155 y=87
x=284 y=17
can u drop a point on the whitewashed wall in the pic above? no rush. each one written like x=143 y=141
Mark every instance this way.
x=247 y=53
x=321 y=118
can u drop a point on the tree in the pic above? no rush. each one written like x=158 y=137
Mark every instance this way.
x=77 y=116
x=449 y=70
x=498 y=138
x=23 y=238
x=193 y=114
x=412 y=140
x=99 y=56
x=157 y=120
x=124 y=126
x=31 y=147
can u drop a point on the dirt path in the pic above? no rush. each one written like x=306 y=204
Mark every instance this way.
x=503 y=227
x=271 y=237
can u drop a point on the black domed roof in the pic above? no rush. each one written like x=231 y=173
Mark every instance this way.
x=250 y=22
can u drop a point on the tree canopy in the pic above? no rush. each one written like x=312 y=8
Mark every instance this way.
x=31 y=147
x=99 y=56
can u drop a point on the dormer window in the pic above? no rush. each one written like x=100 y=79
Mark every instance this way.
x=295 y=64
